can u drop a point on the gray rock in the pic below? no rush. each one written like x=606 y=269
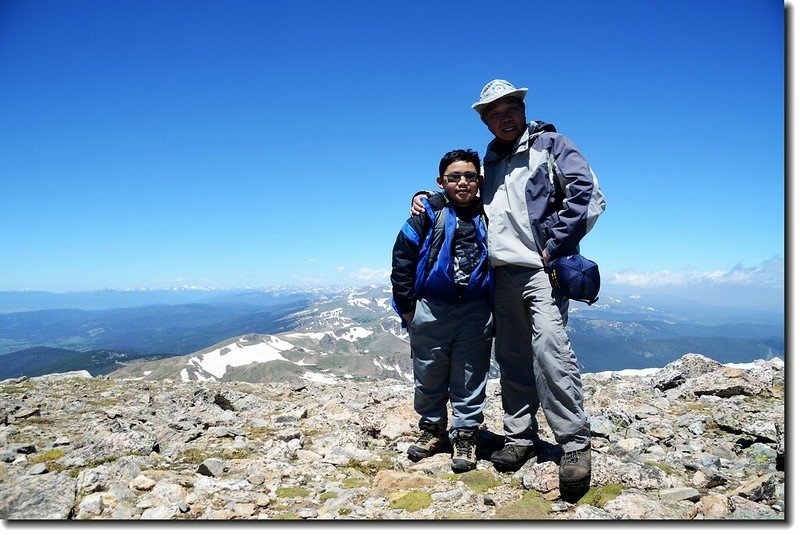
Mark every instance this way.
x=212 y=467
x=37 y=469
x=41 y=497
x=679 y=493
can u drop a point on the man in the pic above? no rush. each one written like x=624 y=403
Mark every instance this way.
x=533 y=219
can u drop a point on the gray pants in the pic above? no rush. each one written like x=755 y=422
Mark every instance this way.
x=451 y=344
x=537 y=364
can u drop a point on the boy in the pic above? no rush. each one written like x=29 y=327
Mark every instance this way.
x=442 y=286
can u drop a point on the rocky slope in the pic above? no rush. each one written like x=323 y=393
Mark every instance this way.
x=694 y=440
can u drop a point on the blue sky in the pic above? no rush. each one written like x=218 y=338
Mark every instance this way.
x=248 y=144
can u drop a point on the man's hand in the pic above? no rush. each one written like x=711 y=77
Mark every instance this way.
x=545 y=257
x=416 y=204
x=408 y=316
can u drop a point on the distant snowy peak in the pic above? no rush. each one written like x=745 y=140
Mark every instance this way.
x=369 y=302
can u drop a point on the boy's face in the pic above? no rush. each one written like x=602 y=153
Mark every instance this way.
x=460 y=182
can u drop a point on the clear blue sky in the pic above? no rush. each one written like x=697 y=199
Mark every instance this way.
x=252 y=143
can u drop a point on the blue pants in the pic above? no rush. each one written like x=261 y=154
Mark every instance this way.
x=451 y=344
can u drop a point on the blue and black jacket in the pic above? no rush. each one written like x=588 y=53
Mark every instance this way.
x=422 y=258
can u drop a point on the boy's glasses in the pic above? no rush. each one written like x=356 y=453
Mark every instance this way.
x=455 y=178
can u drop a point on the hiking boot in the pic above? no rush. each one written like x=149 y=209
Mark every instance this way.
x=512 y=456
x=575 y=474
x=432 y=441
x=464 y=458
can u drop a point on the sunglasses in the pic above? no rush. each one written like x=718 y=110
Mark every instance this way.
x=455 y=178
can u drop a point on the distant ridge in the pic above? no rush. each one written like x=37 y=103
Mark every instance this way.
x=616 y=333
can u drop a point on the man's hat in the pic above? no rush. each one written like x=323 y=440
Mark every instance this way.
x=575 y=277
x=495 y=90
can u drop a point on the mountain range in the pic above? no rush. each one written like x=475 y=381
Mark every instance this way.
x=327 y=334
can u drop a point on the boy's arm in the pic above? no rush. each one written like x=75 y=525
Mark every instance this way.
x=405 y=256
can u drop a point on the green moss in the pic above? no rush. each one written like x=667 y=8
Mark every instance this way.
x=291 y=492
x=370 y=467
x=259 y=432
x=352 y=482
x=103 y=460
x=193 y=455
x=46 y=456
x=689 y=407
x=452 y=515
x=37 y=420
x=599 y=496
x=344 y=511
x=530 y=507
x=477 y=480
x=18 y=388
x=197 y=456
x=54 y=467
x=667 y=469
x=327 y=495
x=411 y=501
x=288 y=515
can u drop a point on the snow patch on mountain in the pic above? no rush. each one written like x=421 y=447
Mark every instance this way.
x=352 y=334
x=238 y=354
x=330 y=314
x=315 y=336
x=356 y=333
x=320 y=378
x=378 y=362
x=354 y=301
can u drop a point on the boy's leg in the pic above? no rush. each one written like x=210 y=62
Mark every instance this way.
x=469 y=362
x=430 y=346
x=469 y=369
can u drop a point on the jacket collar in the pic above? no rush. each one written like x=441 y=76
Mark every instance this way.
x=498 y=150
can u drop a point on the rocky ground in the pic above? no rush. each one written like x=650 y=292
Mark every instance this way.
x=695 y=440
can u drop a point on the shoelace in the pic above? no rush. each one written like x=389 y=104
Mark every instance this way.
x=571 y=457
x=463 y=447
x=426 y=437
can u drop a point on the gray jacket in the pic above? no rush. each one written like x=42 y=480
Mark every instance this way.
x=526 y=210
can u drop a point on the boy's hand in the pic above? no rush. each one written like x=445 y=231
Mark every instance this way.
x=408 y=316
x=416 y=205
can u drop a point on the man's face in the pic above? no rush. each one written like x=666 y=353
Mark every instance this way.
x=505 y=119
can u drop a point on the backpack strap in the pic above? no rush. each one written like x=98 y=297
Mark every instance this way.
x=437 y=235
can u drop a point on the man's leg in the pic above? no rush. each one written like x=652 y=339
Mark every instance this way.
x=555 y=365
x=515 y=358
x=558 y=382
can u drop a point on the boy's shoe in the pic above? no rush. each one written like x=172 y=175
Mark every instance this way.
x=432 y=441
x=512 y=456
x=464 y=458
x=575 y=474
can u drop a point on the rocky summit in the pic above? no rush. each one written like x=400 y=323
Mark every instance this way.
x=695 y=440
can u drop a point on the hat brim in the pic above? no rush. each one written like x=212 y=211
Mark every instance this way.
x=481 y=105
